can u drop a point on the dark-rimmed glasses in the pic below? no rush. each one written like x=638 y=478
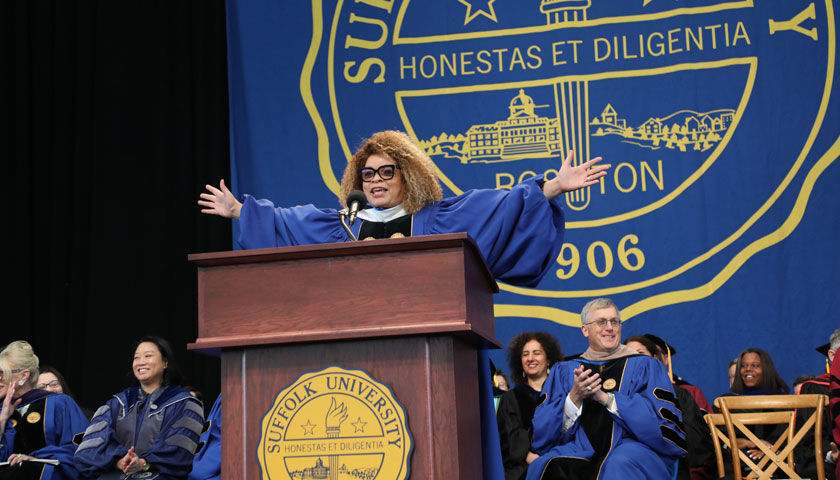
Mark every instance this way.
x=53 y=384
x=386 y=172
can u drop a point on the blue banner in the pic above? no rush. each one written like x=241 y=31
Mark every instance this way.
x=717 y=225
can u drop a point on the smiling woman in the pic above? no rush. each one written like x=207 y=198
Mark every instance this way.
x=756 y=374
x=530 y=356
x=153 y=427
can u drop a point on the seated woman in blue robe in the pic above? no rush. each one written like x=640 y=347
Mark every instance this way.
x=152 y=428
x=35 y=424
x=519 y=232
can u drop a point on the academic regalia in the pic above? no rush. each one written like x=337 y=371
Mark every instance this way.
x=803 y=455
x=163 y=427
x=44 y=426
x=643 y=441
x=518 y=231
x=207 y=464
x=516 y=410
x=834 y=405
x=698 y=441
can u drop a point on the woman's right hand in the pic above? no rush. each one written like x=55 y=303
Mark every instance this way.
x=220 y=201
x=8 y=405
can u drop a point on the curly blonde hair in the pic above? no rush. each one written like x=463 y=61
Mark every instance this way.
x=422 y=186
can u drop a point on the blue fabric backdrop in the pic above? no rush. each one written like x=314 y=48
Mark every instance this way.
x=717 y=225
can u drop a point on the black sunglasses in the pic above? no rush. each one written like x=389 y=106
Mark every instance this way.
x=386 y=172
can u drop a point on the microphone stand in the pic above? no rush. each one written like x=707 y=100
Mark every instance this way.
x=342 y=215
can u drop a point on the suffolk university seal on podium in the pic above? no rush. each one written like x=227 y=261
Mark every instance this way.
x=335 y=424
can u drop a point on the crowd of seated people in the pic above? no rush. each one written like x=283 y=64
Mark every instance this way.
x=615 y=408
x=150 y=430
x=578 y=423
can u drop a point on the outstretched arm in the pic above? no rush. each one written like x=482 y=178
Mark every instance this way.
x=571 y=178
x=220 y=201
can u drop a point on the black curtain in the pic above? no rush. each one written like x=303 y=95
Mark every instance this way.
x=119 y=116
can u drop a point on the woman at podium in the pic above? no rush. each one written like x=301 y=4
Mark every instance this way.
x=519 y=231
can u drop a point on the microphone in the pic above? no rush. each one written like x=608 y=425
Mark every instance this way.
x=355 y=201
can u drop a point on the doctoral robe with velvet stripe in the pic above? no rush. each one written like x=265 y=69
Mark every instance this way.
x=644 y=441
x=44 y=426
x=518 y=231
x=163 y=427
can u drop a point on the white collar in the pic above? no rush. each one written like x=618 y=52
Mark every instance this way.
x=384 y=215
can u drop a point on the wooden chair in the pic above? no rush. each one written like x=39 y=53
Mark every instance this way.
x=766 y=410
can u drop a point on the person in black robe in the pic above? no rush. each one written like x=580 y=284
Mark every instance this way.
x=530 y=356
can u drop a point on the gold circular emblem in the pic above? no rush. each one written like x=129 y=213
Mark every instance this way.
x=332 y=422
x=33 y=417
x=398 y=235
x=609 y=384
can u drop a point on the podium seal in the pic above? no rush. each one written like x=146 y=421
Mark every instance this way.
x=335 y=423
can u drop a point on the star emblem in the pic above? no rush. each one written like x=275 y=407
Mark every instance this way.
x=359 y=425
x=486 y=10
x=309 y=428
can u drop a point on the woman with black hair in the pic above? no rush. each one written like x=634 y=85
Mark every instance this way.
x=756 y=375
x=530 y=356
x=151 y=427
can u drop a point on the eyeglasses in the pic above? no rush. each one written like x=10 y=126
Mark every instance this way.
x=53 y=384
x=386 y=172
x=12 y=371
x=602 y=322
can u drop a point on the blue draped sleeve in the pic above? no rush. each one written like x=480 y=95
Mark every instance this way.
x=66 y=420
x=649 y=409
x=262 y=225
x=173 y=449
x=207 y=464
x=100 y=448
x=519 y=232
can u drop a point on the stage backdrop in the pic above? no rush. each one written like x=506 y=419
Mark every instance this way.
x=717 y=225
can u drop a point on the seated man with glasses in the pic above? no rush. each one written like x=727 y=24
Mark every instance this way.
x=610 y=413
x=519 y=231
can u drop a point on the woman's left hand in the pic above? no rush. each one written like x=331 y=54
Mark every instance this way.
x=17 y=458
x=571 y=178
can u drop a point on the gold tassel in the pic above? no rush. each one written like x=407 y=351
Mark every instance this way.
x=670 y=368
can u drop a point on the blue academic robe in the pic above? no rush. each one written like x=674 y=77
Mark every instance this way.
x=207 y=464
x=647 y=435
x=163 y=428
x=59 y=419
x=518 y=231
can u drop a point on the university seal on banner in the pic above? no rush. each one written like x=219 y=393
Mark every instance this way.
x=335 y=424
x=673 y=95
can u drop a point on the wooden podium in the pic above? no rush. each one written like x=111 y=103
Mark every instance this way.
x=411 y=312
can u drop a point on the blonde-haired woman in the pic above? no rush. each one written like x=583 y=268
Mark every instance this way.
x=34 y=423
x=519 y=232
